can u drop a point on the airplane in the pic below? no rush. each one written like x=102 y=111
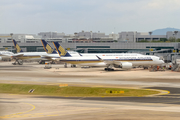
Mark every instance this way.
x=35 y=56
x=123 y=61
x=5 y=55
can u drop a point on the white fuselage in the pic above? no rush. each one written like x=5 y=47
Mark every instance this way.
x=76 y=54
x=35 y=56
x=135 y=59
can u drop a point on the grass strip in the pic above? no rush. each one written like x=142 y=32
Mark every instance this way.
x=71 y=91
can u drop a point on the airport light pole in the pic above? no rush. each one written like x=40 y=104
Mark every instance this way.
x=150 y=33
x=127 y=37
x=11 y=39
x=175 y=32
x=75 y=39
x=173 y=37
x=91 y=34
x=137 y=37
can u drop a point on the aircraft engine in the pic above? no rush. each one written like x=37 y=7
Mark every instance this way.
x=124 y=65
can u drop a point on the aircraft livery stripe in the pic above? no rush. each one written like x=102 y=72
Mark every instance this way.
x=113 y=60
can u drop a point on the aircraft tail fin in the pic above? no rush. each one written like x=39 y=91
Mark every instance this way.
x=16 y=46
x=48 y=48
x=61 y=51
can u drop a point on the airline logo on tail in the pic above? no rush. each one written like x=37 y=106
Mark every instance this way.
x=18 y=49
x=61 y=50
x=47 y=47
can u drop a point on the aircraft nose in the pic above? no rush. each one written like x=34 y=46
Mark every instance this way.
x=162 y=61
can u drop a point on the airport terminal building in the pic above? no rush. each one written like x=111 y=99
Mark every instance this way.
x=96 y=42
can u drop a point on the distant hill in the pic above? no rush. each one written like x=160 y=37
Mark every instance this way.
x=163 y=31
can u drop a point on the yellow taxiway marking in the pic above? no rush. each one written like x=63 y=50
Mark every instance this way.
x=53 y=115
x=51 y=84
x=174 y=94
x=48 y=113
x=17 y=114
x=163 y=92
x=13 y=94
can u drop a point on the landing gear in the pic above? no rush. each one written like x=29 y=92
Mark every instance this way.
x=41 y=62
x=153 y=68
x=108 y=69
x=65 y=65
x=14 y=63
x=19 y=62
x=52 y=62
x=73 y=66
x=145 y=68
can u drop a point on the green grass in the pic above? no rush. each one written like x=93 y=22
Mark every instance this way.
x=70 y=91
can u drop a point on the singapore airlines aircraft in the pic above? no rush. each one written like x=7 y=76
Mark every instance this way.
x=54 y=57
x=35 y=56
x=124 y=61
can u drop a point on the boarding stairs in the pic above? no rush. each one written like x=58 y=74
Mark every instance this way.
x=176 y=67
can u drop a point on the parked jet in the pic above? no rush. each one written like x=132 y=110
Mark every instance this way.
x=124 y=61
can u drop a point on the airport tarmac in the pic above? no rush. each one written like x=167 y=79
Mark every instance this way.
x=33 y=73
x=24 y=107
x=44 y=107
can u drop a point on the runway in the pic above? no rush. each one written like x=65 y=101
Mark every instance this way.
x=48 y=107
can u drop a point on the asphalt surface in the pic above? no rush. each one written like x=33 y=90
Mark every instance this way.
x=36 y=107
x=164 y=106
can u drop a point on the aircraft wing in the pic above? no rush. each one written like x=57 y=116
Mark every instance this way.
x=6 y=55
x=109 y=61
x=113 y=61
x=49 y=58
x=117 y=62
x=18 y=55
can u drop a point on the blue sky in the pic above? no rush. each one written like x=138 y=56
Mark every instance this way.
x=69 y=16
